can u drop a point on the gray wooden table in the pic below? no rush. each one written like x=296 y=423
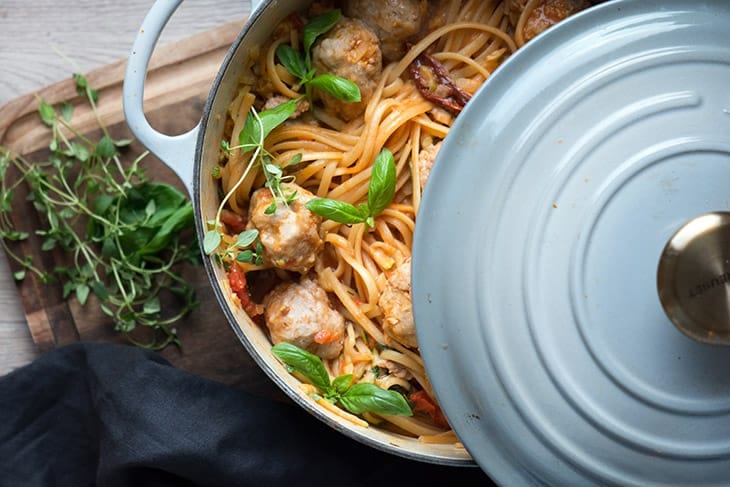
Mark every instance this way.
x=44 y=41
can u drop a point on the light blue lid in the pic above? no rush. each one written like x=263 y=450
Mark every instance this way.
x=537 y=245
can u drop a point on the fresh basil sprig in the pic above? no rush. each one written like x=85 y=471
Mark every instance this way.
x=340 y=88
x=300 y=64
x=307 y=364
x=380 y=193
x=356 y=398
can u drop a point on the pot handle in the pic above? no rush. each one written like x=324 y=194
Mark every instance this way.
x=177 y=152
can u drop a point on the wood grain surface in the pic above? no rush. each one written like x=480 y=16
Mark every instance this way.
x=43 y=42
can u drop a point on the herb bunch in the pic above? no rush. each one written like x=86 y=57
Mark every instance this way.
x=122 y=232
x=357 y=398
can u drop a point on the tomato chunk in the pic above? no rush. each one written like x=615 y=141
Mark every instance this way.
x=424 y=404
x=237 y=281
x=324 y=337
x=236 y=223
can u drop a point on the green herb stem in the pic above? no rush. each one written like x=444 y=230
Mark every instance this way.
x=130 y=243
x=240 y=181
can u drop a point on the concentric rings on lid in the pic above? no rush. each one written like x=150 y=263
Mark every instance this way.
x=539 y=237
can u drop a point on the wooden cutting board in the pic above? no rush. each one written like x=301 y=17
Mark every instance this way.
x=180 y=76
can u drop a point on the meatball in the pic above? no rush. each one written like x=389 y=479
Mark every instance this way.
x=426 y=158
x=300 y=313
x=349 y=50
x=546 y=14
x=395 y=302
x=393 y=21
x=438 y=14
x=514 y=9
x=290 y=235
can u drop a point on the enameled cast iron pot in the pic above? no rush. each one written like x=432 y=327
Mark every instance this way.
x=192 y=156
x=603 y=139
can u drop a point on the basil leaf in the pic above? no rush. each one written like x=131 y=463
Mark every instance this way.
x=178 y=221
x=382 y=182
x=318 y=26
x=292 y=60
x=270 y=119
x=341 y=88
x=342 y=383
x=251 y=135
x=366 y=397
x=307 y=364
x=335 y=210
x=150 y=208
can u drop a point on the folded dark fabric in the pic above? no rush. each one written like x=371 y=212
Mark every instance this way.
x=114 y=415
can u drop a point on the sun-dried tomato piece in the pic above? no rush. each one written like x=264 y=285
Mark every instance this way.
x=435 y=84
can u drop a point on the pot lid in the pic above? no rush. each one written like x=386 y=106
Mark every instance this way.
x=538 y=244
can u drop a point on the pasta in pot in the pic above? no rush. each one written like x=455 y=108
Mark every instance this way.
x=342 y=291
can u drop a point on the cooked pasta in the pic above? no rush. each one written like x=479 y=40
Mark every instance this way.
x=412 y=91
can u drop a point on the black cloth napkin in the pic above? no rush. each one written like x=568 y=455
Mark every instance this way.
x=114 y=415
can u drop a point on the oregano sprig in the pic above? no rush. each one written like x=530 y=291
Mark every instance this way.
x=123 y=232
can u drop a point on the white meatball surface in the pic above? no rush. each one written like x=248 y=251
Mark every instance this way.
x=351 y=51
x=300 y=313
x=290 y=235
x=393 y=21
x=395 y=301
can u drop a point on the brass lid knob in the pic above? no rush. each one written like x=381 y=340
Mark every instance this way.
x=693 y=278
